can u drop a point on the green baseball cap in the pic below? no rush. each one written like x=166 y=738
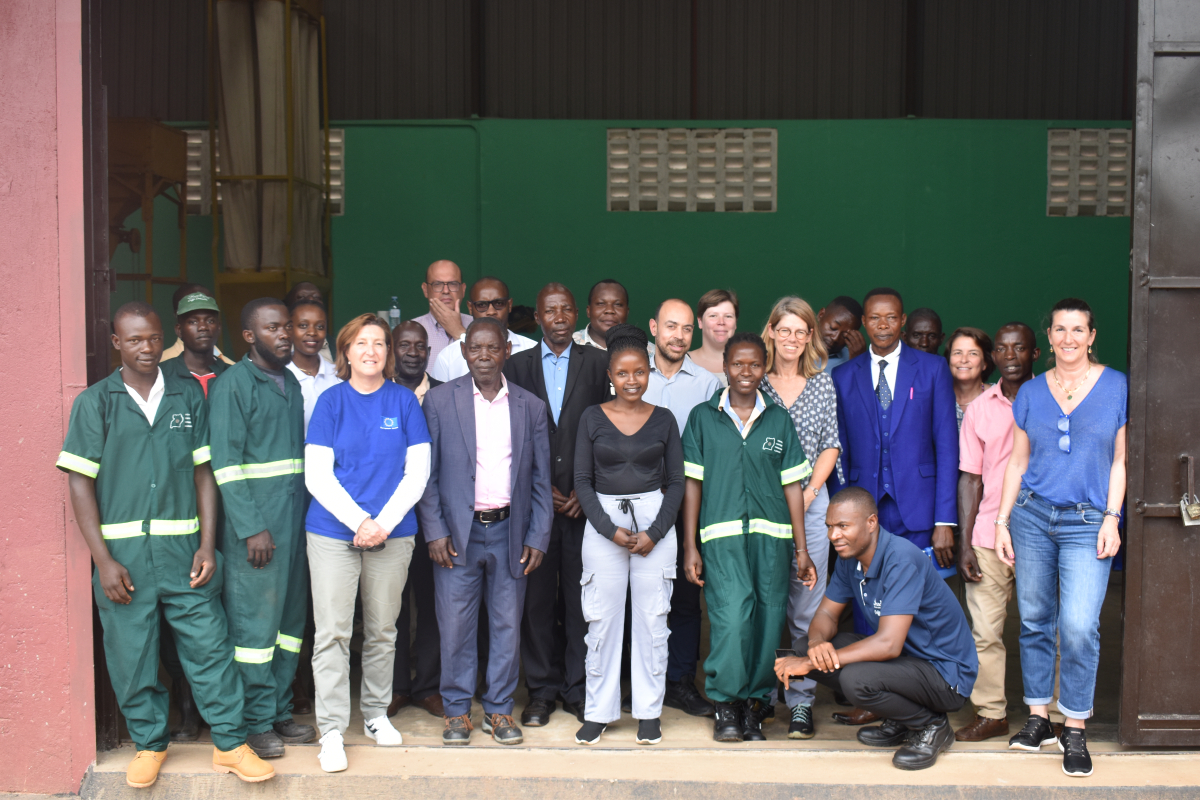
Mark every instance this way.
x=196 y=301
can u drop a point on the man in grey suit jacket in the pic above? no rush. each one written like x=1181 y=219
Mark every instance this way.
x=486 y=514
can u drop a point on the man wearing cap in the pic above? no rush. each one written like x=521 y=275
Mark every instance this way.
x=176 y=350
x=198 y=326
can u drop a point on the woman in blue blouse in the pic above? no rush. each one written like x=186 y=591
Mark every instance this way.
x=366 y=464
x=1064 y=488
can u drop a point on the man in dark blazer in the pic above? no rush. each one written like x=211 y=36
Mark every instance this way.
x=568 y=379
x=898 y=428
x=486 y=514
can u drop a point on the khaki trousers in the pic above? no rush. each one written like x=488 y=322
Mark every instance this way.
x=987 y=602
x=338 y=573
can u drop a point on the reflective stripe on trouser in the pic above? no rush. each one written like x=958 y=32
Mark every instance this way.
x=159 y=568
x=337 y=575
x=746 y=591
x=803 y=602
x=267 y=609
x=608 y=570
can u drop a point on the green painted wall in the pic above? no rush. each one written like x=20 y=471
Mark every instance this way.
x=949 y=212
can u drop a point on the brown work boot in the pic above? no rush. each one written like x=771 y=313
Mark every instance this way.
x=242 y=761
x=982 y=728
x=857 y=716
x=143 y=770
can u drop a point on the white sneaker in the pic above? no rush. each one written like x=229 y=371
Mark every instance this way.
x=333 y=752
x=383 y=732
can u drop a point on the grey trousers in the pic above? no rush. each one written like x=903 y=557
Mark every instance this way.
x=337 y=574
x=803 y=602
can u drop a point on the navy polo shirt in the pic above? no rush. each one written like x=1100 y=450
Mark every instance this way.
x=901 y=581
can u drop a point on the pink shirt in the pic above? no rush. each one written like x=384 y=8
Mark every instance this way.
x=984 y=445
x=493 y=450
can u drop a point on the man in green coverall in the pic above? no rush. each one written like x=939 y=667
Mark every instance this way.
x=743 y=464
x=257 y=441
x=145 y=501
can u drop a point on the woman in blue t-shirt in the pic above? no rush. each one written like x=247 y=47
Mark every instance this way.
x=1064 y=486
x=366 y=462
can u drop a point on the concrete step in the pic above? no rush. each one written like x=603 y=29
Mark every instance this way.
x=782 y=770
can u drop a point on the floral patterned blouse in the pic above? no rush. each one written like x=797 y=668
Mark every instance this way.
x=815 y=416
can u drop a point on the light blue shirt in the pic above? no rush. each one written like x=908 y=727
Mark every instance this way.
x=837 y=359
x=554 y=372
x=683 y=391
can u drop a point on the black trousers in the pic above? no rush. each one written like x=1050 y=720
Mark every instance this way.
x=683 y=646
x=423 y=653
x=552 y=628
x=907 y=690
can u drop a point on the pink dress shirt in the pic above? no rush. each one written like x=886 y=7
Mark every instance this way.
x=984 y=445
x=493 y=450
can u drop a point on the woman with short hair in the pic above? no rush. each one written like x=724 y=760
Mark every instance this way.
x=1064 y=488
x=366 y=464
x=716 y=319
x=969 y=355
x=797 y=381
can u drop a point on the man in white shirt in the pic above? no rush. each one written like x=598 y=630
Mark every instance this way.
x=489 y=298
x=608 y=305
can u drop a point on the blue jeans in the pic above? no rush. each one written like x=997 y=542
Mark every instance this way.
x=1060 y=589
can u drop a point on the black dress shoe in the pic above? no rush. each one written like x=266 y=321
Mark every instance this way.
x=752 y=719
x=292 y=732
x=1077 y=762
x=923 y=746
x=188 y=729
x=727 y=722
x=537 y=712
x=574 y=710
x=684 y=695
x=266 y=744
x=889 y=733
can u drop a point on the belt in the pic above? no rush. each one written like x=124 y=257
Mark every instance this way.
x=492 y=514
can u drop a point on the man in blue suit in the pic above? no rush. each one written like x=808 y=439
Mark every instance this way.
x=898 y=428
x=486 y=514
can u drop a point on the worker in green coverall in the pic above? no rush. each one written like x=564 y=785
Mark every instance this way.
x=137 y=454
x=257 y=440
x=743 y=465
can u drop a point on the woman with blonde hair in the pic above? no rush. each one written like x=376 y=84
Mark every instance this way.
x=366 y=464
x=796 y=380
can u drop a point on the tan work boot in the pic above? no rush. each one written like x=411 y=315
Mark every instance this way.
x=242 y=761
x=143 y=770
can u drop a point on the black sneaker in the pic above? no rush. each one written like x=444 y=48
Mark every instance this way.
x=590 y=733
x=292 y=732
x=502 y=728
x=1036 y=734
x=924 y=745
x=684 y=695
x=752 y=720
x=649 y=731
x=727 y=722
x=802 y=723
x=266 y=744
x=1077 y=762
x=457 y=730
x=887 y=733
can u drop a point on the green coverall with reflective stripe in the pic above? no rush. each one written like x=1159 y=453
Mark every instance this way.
x=257 y=441
x=146 y=493
x=745 y=540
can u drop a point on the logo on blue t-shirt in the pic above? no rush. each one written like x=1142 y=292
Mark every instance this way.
x=391 y=424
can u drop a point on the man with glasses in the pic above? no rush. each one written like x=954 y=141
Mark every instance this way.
x=443 y=288
x=489 y=298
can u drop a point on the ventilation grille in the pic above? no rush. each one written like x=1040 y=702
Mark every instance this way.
x=1088 y=172
x=199 y=195
x=680 y=169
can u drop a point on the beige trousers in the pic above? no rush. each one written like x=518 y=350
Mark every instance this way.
x=337 y=575
x=987 y=602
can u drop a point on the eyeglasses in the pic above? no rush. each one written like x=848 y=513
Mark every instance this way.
x=788 y=333
x=481 y=306
x=1064 y=426
x=445 y=286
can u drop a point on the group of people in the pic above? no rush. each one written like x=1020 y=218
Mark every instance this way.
x=520 y=493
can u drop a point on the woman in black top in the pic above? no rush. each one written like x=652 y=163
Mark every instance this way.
x=629 y=480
